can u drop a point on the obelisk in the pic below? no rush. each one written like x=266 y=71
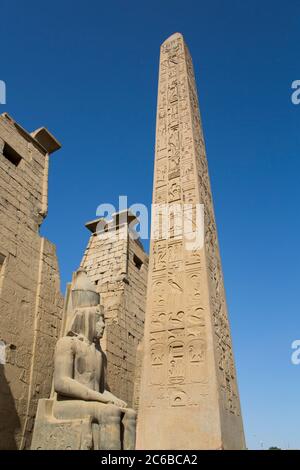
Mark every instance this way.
x=189 y=396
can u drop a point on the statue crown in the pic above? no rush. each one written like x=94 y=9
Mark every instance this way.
x=84 y=293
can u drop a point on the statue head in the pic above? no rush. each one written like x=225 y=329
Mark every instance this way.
x=87 y=320
x=88 y=323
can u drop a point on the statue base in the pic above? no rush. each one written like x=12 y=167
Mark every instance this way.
x=54 y=434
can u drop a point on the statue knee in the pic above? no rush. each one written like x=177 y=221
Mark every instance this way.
x=110 y=413
x=130 y=414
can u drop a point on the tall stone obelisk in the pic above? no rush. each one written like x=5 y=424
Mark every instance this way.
x=189 y=397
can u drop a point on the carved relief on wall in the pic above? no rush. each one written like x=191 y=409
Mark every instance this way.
x=173 y=90
x=174 y=190
x=161 y=196
x=172 y=47
x=158 y=293
x=193 y=257
x=186 y=142
x=161 y=172
x=175 y=220
x=173 y=141
x=174 y=166
x=189 y=195
x=172 y=73
x=158 y=320
x=176 y=319
x=172 y=115
x=175 y=290
x=223 y=340
x=182 y=89
x=197 y=360
x=195 y=315
x=178 y=397
x=180 y=316
x=158 y=358
x=175 y=255
x=187 y=170
x=162 y=132
x=176 y=362
x=159 y=256
x=193 y=286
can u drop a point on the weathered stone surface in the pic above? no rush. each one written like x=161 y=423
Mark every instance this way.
x=83 y=413
x=54 y=434
x=189 y=397
x=30 y=300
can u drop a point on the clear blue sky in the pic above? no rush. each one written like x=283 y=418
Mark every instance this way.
x=88 y=71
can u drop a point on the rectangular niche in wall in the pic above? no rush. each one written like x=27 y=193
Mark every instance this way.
x=11 y=154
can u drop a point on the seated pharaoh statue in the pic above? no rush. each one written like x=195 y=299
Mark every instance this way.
x=82 y=413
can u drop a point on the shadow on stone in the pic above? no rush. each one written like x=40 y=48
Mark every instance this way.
x=9 y=420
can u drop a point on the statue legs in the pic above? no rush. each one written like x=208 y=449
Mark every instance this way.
x=107 y=417
x=129 y=424
x=110 y=428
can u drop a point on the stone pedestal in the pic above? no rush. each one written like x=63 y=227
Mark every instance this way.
x=53 y=434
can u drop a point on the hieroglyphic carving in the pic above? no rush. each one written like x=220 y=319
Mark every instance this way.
x=176 y=319
x=193 y=278
x=158 y=358
x=174 y=191
x=160 y=196
x=175 y=255
x=158 y=320
x=186 y=321
x=193 y=257
x=161 y=172
x=187 y=170
x=179 y=306
x=219 y=313
x=176 y=362
x=159 y=256
x=197 y=360
x=158 y=292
